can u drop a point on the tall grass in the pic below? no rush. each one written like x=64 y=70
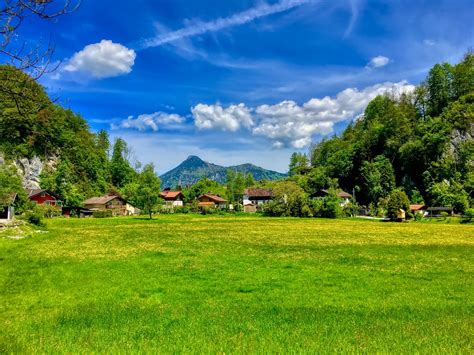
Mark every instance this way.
x=237 y=284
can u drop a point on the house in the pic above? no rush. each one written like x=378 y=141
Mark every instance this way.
x=417 y=208
x=436 y=211
x=344 y=197
x=172 y=198
x=44 y=197
x=211 y=200
x=7 y=211
x=257 y=197
x=113 y=202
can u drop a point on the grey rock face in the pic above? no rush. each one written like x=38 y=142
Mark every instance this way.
x=30 y=169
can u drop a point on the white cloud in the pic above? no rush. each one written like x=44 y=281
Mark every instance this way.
x=288 y=124
x=217 y=117
x=240 y=18
x=429 y=42
x=378 y=62
x=151 y=121
x=101 y=60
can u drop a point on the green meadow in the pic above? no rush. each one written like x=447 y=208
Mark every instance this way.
x=188 y=283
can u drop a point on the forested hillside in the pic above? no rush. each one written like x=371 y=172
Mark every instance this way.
x=420 y=143
x=32 y=125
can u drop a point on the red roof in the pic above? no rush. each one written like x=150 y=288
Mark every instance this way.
x=171 y=195
x=259 y=192
x=417 y=207
x=212 y=197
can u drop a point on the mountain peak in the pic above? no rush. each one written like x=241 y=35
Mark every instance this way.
x=193 y=157
x=194 y=168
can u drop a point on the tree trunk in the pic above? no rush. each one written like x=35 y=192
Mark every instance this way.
x=150 y=214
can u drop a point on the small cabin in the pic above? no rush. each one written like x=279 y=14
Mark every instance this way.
x=113 y=202
x=257 y=197
x=172 y=198
x=211 y=200
x=7 y=211
x=44 y=197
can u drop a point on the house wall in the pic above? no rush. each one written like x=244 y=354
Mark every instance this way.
x=205 y=199
x=255 y=200
x=171 y=203
x=44 y=198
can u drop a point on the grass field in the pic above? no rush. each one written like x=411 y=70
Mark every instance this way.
x=238 y=284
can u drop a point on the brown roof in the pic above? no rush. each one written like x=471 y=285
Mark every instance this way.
x=34 y=192
x=215 y=198
x=417 y=207
x=171 y=195
x=341 y=194
x=102 y=200
x=258 y=192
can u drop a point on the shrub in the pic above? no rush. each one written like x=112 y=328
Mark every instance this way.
x=208 y=210
x=102 y=214
x=418 y=216
x=49 y=211
x=181 y=209
x=468 y=215
x=274 y=208
x=35 y=217
x=238 y=207
x=331 y=208
x=350 y=209
x=444 y=215
x=316 y=206
x=397 y=200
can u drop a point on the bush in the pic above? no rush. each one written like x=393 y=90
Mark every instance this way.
x=181 y=209
x=418 y=216
x=35 y=217
x=468 y=215
x=331 y=208
x=208 y=210
x=444 y=215
x=102 y=214
x=397 y=200
x=316 y=206
x=238 y=207
x=49 y=211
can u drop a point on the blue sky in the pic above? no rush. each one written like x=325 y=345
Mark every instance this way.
x=243 y=80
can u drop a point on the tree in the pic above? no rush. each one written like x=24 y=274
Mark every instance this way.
x=397 y=200
x=120 y=169
x=13 y=13
x=439 y=86
x=10 y=184
x=203 y=186
x=299 y=164
x=449 y=194
x=378 y=177
x=148 y=190
x=288 y=200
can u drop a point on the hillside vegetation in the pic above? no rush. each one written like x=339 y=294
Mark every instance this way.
x=421 y=144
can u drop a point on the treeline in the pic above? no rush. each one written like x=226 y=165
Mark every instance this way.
x=420 y=144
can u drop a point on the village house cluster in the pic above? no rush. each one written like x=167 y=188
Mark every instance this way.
x=115 y=205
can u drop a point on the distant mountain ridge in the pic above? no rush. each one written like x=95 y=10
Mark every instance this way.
x=194 y=168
